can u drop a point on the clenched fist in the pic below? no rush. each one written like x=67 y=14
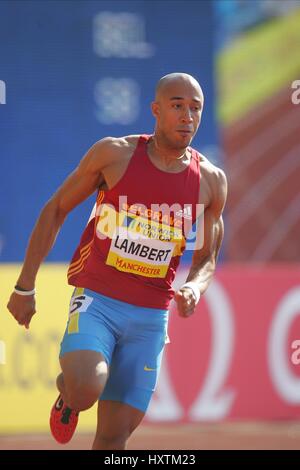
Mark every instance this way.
x=186 y=301
x=22 y=308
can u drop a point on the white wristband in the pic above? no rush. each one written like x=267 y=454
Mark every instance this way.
x=196 y=291
x=24 y=292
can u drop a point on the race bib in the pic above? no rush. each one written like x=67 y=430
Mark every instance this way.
x=137 y=245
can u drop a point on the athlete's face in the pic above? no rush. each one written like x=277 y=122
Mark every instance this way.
x=178 y=109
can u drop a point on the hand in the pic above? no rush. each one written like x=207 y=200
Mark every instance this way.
x=186 y=301
x=22 y=308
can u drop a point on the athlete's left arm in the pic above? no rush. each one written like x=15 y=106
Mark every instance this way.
x=205 y=259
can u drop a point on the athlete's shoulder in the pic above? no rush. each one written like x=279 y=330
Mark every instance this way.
x=213 y=179
x=116 y=144
x=211 y=171
x=110 y=150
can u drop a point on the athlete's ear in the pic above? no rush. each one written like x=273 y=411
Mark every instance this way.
x=155 y=109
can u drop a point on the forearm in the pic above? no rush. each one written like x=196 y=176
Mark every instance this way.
x=41 y=241
x=204 y=264
x=202 y=273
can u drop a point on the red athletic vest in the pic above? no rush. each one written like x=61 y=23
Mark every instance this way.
x=132 y=244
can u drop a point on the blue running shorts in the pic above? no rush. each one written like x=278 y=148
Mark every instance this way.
x=130 y=338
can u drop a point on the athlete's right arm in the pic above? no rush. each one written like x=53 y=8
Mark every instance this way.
x=78 y=186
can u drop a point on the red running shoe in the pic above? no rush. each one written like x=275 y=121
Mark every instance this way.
x=63 y=421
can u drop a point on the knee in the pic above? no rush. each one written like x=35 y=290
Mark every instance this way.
x=82 y=398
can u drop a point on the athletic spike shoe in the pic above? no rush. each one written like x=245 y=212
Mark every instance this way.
x=63 y=421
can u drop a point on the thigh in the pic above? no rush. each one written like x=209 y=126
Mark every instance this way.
x=88 y=343
x=136 y=363
x=88 y=327
x=83 y=368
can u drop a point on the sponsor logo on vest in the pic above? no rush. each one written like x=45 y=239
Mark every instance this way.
x=186 y=213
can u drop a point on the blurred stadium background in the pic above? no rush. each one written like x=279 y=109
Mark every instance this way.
x=72 y=72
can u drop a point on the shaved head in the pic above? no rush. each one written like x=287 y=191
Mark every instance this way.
x=177 y=109
x=175 y=78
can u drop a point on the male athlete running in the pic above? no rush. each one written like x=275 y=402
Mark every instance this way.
x=126 y=261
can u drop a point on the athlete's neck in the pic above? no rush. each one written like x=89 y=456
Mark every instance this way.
x=168 y=158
